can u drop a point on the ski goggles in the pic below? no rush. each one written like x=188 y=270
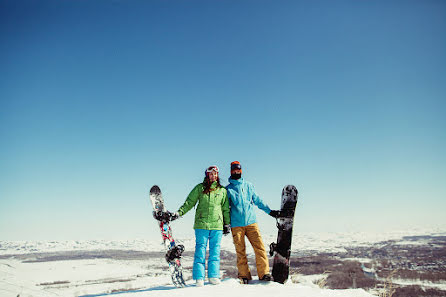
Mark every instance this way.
x=212 y=168
x=236 y=165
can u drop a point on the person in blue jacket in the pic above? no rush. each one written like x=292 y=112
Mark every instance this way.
x=242 y=199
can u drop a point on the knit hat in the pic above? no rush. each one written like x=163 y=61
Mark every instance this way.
x=236 y=165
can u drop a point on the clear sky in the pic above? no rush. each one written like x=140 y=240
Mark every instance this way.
x=100 y=100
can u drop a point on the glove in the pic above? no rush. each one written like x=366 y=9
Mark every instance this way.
x=274 y=213
x=226 y=229
x=173 y=216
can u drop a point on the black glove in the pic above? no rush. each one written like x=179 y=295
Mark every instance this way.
x=285 y=213
x=226 y=229
x=274 y=213
x=174 y=216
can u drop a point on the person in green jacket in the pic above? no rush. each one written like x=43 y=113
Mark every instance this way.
x=212 y=219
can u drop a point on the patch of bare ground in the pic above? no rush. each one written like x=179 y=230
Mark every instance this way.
x=421 y=258
x=417 y=291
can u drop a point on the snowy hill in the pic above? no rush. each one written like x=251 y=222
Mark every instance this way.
x=231 y=287
x=138 y=268
x=302 y=242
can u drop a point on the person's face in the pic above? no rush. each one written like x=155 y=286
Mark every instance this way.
x=236 y=171
x=213 y=176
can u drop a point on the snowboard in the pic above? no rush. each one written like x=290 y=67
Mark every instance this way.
x=173 y=250
x=281 y=249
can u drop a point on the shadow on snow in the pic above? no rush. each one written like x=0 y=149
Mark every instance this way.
x=159 y=288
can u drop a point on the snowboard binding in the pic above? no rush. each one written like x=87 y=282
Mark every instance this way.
x=164 y=216
x=272 y=248
x=174 y=253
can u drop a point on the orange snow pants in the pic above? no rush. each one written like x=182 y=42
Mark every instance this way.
x=253 y=234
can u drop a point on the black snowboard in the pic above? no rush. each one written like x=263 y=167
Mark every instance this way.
x=282 y=248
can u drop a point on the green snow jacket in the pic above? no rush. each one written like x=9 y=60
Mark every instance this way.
x=212 y=210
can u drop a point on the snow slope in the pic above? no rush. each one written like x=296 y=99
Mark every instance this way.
x=231 y=287
x=302 y=242
x=20 y=274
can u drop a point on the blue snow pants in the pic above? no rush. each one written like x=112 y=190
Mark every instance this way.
x=201 y=240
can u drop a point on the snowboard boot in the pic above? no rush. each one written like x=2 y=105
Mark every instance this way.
x=244 y=281
x=214 y=280
x=199 y=282
x=266 y=278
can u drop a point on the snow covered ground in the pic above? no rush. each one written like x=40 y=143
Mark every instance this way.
x=78 y=268
x=231 y=287
x=302 y=242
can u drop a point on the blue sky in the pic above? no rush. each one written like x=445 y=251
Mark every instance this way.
x=99 y=100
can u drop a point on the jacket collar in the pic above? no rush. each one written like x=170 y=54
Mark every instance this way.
x=236 y=181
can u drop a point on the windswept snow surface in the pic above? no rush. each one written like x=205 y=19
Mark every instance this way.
x=302 y=242
x=231 y=287
x=79 y=268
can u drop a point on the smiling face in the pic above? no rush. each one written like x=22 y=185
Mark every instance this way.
x=213 y=175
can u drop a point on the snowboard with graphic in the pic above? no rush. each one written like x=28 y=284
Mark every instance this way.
x=281 y=249
x=173 y=250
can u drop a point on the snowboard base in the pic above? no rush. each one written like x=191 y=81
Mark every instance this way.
x=282 y=248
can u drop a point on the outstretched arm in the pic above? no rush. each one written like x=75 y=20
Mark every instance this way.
x=259 y=202
x=191 y=200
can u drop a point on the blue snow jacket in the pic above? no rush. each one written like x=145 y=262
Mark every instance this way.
x=242 y=198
